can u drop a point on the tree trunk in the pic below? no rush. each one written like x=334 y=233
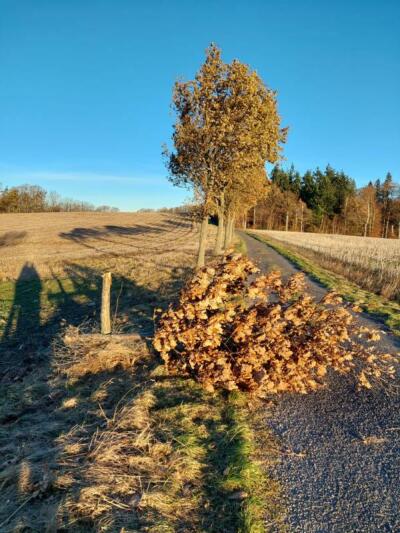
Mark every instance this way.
x=386 y=228
x=372 y=223
x=219 y=241
x=367 y=221
x=287 y=221
x=228 y=232
x=202 y=243
x=271 y=222
x=345 y=214
x=321 y=226
x=231 y=230
x=302 y=218
x=254 y=217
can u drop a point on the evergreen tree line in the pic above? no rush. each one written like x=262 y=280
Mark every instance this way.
x=35 y=199
x=328 y=201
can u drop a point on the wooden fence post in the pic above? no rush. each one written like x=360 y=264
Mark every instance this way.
x=105 y=304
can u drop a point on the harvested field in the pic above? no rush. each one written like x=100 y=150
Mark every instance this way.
x=52 y=267
x=48 y=240
x=372 y=263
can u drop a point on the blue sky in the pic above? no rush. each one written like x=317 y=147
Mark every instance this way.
x=85 y=87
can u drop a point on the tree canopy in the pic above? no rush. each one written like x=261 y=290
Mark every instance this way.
x=35 y=199
x=227 y=127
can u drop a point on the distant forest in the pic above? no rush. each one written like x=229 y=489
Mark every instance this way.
x=327 y=201
x=35 y=199
x=324 y=201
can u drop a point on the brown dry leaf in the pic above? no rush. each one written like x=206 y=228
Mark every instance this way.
x=226 y=336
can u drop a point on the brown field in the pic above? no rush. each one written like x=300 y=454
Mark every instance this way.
x=372 y=263
x=48 y=240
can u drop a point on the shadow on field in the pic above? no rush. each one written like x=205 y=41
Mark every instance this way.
x=108 y=234
x=24 y=316
x=35 y=313
x=80 y=234
x=209 y=425
x=11 y=238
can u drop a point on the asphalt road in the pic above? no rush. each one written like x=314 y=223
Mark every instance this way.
x=340 y=462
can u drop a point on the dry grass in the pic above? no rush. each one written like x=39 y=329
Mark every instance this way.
x=372 y=263
x=112 y=462
x=128 y=448
x=373 y=440
x=130 y=472
x=382 y=309
x=48 y=241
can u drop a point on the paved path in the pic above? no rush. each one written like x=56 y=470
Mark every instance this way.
x=340 y=465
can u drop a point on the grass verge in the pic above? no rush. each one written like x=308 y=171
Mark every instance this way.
x=240 y=245
x=248 y=439
x=384 y=310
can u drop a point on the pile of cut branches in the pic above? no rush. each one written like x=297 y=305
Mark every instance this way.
x=233 y=329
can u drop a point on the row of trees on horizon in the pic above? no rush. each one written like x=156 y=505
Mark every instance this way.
x=327 y=201
x=35 y=199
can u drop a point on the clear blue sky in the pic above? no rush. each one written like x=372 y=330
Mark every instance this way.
x=85 y=86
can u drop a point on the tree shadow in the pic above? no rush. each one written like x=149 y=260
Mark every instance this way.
x=11 y=238
x=213 y=432
x=104 y=233
x=97 y=233
x=109 y=233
